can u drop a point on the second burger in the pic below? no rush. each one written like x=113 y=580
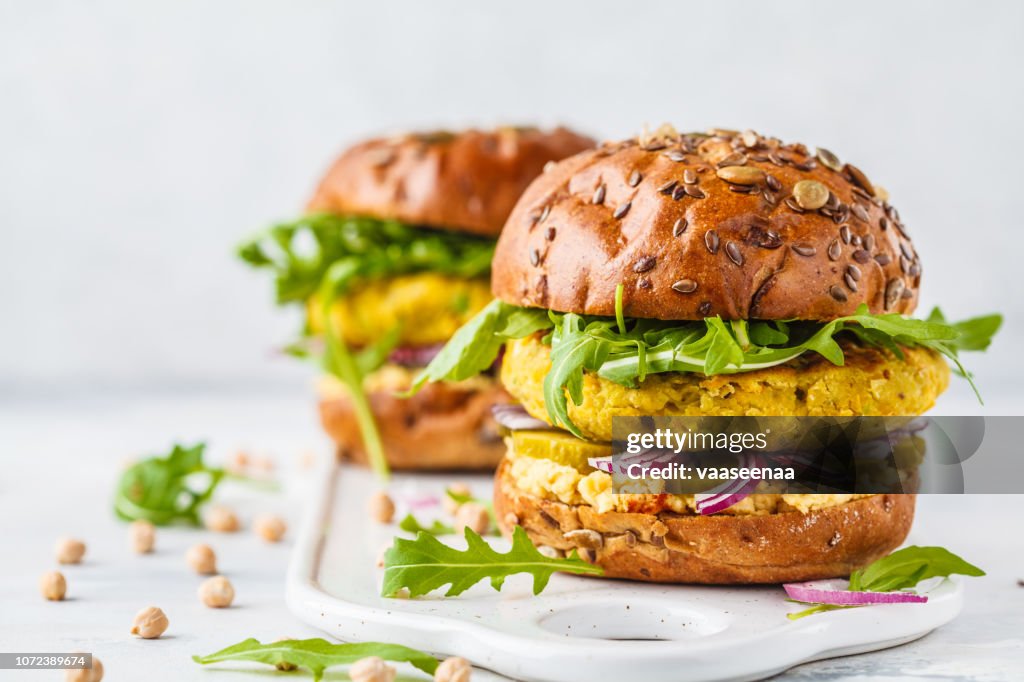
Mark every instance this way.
x=392 y=257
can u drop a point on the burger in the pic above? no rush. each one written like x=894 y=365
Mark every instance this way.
x=702 y=274
x=392 y=256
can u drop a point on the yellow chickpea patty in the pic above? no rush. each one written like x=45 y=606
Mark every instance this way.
x=427 y=308
x=872 y=382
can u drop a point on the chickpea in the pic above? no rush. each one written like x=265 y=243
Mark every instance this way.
x=285 y=666
x=474 y=516
x=371 y=669
x=382 y=507
x=53 y=586
x=239 y=462
x=150 y=623
x=202 y=559
x=458 y=488
x=270 y=528
x=143 y=536
x=69 y=551
x=222 y=520
x=217 y=592
x=454 y=669
x=94 y=674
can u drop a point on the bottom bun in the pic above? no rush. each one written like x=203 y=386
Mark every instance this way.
x=444 y=426
x=718 y=549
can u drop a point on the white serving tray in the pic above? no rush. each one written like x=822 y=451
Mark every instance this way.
x=579 y=629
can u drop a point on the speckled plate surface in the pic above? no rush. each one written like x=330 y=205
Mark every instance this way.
x=578 y=629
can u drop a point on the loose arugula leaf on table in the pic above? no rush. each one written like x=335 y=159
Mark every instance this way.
x=626 y=351
x=169 y=489
x=901 y=570
x=318 y=654
x=411 y=524
x=425 y=564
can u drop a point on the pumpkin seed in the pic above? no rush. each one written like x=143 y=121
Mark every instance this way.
x=810 y=194
x=741 y=175
x=828 y=159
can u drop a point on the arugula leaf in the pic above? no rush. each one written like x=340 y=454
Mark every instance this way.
x=300 y=253
x=626 y=351
x=339 y=361
x=907 y=567
x=901 y=570
x=317 y=654
x=163 y=490
x=475 y=346
x=425 y=564
x=411 y=524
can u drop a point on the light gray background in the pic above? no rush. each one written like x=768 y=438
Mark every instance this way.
x=139 y=142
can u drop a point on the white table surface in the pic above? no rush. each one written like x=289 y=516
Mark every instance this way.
x=61 y=459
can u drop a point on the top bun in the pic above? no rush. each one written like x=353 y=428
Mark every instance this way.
x=467 y=181
x=697 y=225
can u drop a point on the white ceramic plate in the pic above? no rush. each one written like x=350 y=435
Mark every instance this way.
x=578 y=629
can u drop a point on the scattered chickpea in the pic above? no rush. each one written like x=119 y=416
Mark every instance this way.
x=143 y=536
x=69 y=551
x=270 y=528
x=222 y=520
x=94 y=674
x=53 y=586
x=474 y=516
x=458 y=488
x=454 y=669
x=202 y=559
x=371 y=669
x=150 y=623
x=217 y=592
x=266 y=465
x=239 y=462
x=382 y=507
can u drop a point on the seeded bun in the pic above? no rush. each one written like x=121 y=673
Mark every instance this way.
x=444 y=426
x=467 y=181
x=718 y=549
x=694 y=225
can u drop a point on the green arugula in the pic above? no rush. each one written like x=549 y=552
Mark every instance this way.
x=901 y=570
x=475 y=346
x=339 y=361
x=425 y=564
x=411 y=524
x=301 y=253
x=164 y=490
x=326 y=255
x=627 y=350
x=317 y=654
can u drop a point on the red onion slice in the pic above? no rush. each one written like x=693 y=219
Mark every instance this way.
x=729 y=493
x=825 y=592
x=414 y=356
x=514 y=417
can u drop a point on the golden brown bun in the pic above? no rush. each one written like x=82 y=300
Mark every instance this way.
x=716 y=549
x=467 y=181
x=659 y=217
x=444 y=426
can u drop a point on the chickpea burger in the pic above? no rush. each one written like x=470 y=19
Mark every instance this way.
x=392 y=257
x=701 y=274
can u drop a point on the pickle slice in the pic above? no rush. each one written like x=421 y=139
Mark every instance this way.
x=560 y=447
